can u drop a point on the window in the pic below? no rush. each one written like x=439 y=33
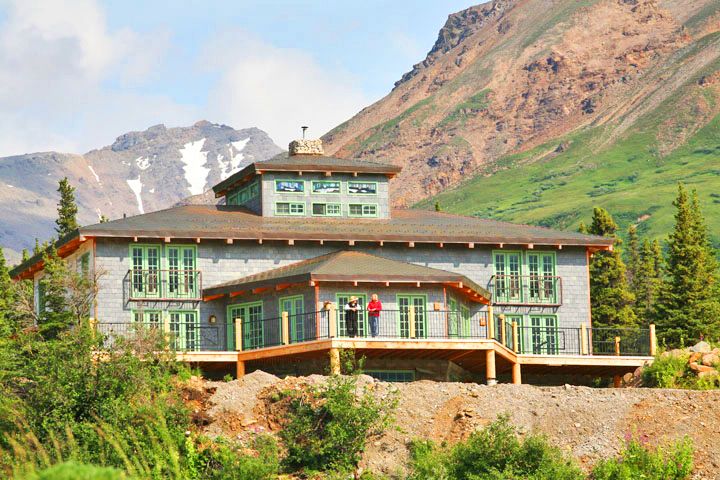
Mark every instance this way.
x=289 y=208
x=325 y=186
x=290 y=186
x=145 y=274
x=507 y=276
x=250 y=316
x=148 y=318
x=185 y=330
x=84 y=265
x=362 y=210
x=326 y=209
x=244 y=194
x=544 y=334
x=392 y=375
x=362 y=188
x=541 y=267
x=182 y=273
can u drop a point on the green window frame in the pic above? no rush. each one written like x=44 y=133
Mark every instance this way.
x=182 y=274
x=359 y=186
x=295 y=306
x=392 y=375
x=544 y=335
x=458 y=318
x=145 y=266
x=244 y=194
x=185 y=330
x=542 y=283
x=420 y=302
x=315 y=185
x=508 y=269
x=299 y=184
x=363 y=209
x=326 y=209
x=342 y=299
x=84 y=265
x=148 y=318
x=253 y=325
x=289 y=209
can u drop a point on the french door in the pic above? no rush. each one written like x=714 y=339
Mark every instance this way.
x=507 y=276
x=458 y=317
x=250 y=316
x=145 y=275
x=419 y=302
x=181 y=264
x=544 y=334
x=541 y=267
x=295 y=307
x=185 y=330
x=342 y=300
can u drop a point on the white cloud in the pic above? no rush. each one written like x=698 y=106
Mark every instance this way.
x=276 y=89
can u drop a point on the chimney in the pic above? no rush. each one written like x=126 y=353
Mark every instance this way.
x=305 y=146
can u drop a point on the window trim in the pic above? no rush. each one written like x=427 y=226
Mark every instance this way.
x=278 y=180
x=312 y=209
x=362 y=205
x=313 y=182
x=290 y=214
x=361 y=194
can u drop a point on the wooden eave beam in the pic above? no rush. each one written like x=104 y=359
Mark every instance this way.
x=210 y=298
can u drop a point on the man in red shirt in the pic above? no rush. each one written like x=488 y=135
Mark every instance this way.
x=374 y=309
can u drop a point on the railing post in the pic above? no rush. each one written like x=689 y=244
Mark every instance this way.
x=617 y=346
x=166 y=329
x=332 y=321
x=285 y=328
x=238 y=334
x=93 y=328
x=583 y=339
x=515 y=339
x=503 y=329
x=411 y=320
x=653 y=340
x=490 y=323
x=490 y=366
x=334 y=361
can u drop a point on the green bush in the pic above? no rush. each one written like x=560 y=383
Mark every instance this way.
x=638 y=462
x=72 y=470
x=224 y=461
x=666 y=372
x=493 y=453
x=327 y=427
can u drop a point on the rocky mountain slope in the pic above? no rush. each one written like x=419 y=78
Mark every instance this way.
x=537 y=110
x=139 y=172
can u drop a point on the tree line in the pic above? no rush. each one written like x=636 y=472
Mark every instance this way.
x=673 y=285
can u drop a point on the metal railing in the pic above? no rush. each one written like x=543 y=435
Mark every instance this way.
x=173 y=284
x=180 y=336
x=619 y=341
x=526 y=290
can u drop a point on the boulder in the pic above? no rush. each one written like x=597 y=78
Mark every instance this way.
x=695 y=357
x=714 y=373
x=701 y=368
x=702 y=347
x=710 y=359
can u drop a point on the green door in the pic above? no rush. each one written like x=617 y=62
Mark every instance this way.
x=458 y=317
x=342 y=300
x=544 y=334
x=250 y=316
x=509 y=319
x=507 y=277
x=420 y=304
x=145 y=275
x=541 y=267
x=185 y=330
x=296 y=312
x=181 y=264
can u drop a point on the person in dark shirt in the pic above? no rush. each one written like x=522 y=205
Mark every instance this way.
x=351 y=317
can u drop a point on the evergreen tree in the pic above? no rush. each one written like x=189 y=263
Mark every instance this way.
x=6 y=297
x=67 y=209
x=648 y=280
x=25 y=255
x=633 y=256
x=688 y=307
x=55 y=315
x=437 y=206
x=583 y=228
x=610 y=299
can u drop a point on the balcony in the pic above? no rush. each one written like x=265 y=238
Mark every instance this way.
x=163 y=285
x=530 y=290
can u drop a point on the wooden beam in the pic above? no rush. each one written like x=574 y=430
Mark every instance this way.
x=355 y=174
x=387 y=284
x=197 y=240
x=291 y=242
x=135 y=239
x=328 y=174
x=355 y=283
x=240 y=369
x=168 y=239
x=312 y=283
x=255 y=291
x=441 y=244
x=229 y=241
x=471 y=245
x=322 y=242
x=490 y=375
x=516 y=374
x=530 y=246
x=210 y=298
x=236 y=294
x=260 y=241
x=559 y=246
x=82 y=238
x=334 y=361
x=351 y=242
x=382 y=243
x=501 y=245
x=411 y=244
x=417 y=284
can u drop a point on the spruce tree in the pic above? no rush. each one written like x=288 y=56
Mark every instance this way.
x=55 y=315
x=648 y=280
x=633 y=256
x=688 y=308
x=67 y=209
x=25 y=255
x=610 y=299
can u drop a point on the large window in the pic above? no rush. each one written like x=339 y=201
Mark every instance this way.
x=185 y=330
x=542 y=281
x=250 y=317
x=244 y=194
x=508 y=285
x=325 y=186
x=145 y=274
x=326 y=209
x=148 y=318
x=182 y=274
x=289 y=208
x=290 y=186
x=362 y=188
x=362 y=210
x=177 y=279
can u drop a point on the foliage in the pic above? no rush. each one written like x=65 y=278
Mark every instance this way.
x=327 y=427
x=67 y=209
x=638 y=462
x=633 y=257
x=72 y=470
x=648 y=280
x=689 y=306
x=610 y=297
x=493 y=453
x=666 y=371
x=350 y=363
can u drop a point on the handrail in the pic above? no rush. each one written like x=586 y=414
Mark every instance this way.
x=164 y=284
x=526 y=290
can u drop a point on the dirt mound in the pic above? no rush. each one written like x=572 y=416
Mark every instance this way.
x=588 y=423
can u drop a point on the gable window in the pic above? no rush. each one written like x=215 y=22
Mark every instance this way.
x=362 y=188
x=326 y=209
x=289 y=186
x=362 y=210
x=289 y=208
x=325 y=186
x=244 y=194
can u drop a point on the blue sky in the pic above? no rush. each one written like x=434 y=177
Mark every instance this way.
x=81 y=72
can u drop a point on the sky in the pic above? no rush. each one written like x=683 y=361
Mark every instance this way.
x=75 y=74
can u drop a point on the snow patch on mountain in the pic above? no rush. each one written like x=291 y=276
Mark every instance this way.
x=136 y=187
x=143 y=163
x=232 y=164
x=97 y=178
x=195 y=171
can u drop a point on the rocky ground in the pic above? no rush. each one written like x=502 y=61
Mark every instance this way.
x=589 y=423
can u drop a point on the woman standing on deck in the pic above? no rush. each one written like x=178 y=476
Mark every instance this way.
x=374 y=309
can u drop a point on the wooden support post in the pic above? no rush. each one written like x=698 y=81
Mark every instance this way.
x=93 y=327
x=516 y=374
x=653 y=340
x=515 y=337
x=503 y=332
x=332 y=322
x=490 y=323
x=334 y=361
x=411 y=320
x=617 y=346
x=240 y=369
x=238 y=334
x=285 y=328
x=617 y=381
x=166 y=329
x=490 y=367
x=583 y=339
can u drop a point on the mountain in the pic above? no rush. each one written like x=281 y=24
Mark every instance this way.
x=535 y=111
x=139 y=172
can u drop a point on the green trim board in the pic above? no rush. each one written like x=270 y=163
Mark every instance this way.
x=342 y=299
x=253 y=326
x=290 y=186
x=295 y=306
x=420 y=302
x=366 y=209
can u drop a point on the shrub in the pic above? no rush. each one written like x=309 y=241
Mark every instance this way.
x=327 y=427
x=72 y=470
x=674 y=462
x=665 y=372
x=493 y=453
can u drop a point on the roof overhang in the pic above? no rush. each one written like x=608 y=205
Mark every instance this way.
x=65 y=246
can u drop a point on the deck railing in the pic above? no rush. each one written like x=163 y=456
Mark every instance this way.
x=173 y=284
x=181 y=336
x=526 y=290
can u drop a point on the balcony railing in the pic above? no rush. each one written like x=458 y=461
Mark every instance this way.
x=180 y=336
x=526 y=290
x=171 y=284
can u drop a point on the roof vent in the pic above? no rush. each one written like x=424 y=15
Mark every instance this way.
x=306 y=147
